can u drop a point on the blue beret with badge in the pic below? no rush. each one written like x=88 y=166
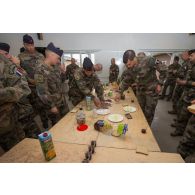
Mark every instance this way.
x=28 y=39
x=87 y=64
x=54 y=49
x=5 y=47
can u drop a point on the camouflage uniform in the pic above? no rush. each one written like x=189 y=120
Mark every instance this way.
x=183 y=74
x=187 y=97
x=13 y=87
x=83 y=85
x=187 y=144
x=50 y=91
x=70 y=69
x=29 y=62
x=171 y=80
x=128 y=77
x=146 y=86
x=122 y=76
x=114 y=72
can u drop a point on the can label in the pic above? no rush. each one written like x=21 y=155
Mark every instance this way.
x=47 y=145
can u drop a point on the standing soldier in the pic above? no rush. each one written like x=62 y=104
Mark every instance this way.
x=13 y=88
x=70 y=69
x=182 y=74
x=187 y=144
x=187 y=96
x=29 y=59
x=171 y=78
x=84 y=81
x=114 y=71
x=148 y=86
x=49 y=85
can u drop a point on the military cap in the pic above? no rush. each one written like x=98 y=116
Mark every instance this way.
x=54 y=49
x=28 y=39
x=4 y=47
x=87 y=64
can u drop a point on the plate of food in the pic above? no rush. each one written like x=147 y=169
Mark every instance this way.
x=129 y=109
x=102 y=111
x=116 y=118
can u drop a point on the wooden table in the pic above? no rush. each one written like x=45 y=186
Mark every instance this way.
x=71 y=144
x=115 y=155
x=29 y=151
x=65 y=129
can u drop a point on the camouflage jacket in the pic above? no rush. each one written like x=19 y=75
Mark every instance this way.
x=114 y=72
x=172 y=72
x=128 y=77
x=70 y=69
x=183 y=72
x=13 y=88
x=29 y=62
x=49 y=85
x=146 y=78
x=189 y=94
x=83 y=85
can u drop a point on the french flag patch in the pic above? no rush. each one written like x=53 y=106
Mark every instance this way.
x=19 y=72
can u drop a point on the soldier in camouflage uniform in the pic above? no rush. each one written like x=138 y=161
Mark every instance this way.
x=70 y=69
x=29 y=60
x=147 y=85
x=13 y=88
x=187 y=144
x=187 y=97
x=84 y=81
x=49 y=85
x=114 y=71
x=171 y=78
x=182 y=75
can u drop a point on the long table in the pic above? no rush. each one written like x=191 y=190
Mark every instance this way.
x=71 y=144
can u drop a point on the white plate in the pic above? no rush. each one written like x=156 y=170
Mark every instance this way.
x=129 y=109
x=115 y=118
x=102 y=111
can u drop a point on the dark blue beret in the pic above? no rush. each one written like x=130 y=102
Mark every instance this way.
x=87 y=64
x=28 y=39
x=4 y=47
x=191 y=51
x=54 y=49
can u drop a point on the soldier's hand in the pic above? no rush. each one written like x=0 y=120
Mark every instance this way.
x=54 y=110
x=97 y=102
x=158 y=89
x=117 y=97
x=62 y=68
x=193 y=102
x=15 y=60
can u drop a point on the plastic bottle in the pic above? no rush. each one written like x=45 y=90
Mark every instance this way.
x=80 y=117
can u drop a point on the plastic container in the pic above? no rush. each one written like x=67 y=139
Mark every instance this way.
x=80 y=117
x=88 y=103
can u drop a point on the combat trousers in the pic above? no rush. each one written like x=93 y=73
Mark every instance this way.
x=187 y=144
x=148 y=104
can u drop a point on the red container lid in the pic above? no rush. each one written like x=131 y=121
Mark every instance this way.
x=82 y=127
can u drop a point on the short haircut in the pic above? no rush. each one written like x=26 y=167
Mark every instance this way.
x=128 y=55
